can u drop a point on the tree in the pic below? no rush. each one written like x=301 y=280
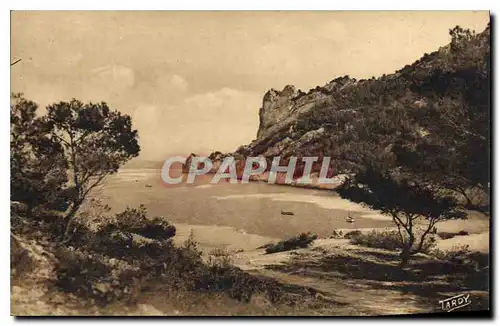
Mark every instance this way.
x=455 y=118
x=415 y=209
x=37 y=165
x=96 y=141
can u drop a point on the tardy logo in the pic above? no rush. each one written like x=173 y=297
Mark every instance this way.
x=455 y=302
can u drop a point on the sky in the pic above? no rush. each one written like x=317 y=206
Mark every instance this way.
x=194 y=81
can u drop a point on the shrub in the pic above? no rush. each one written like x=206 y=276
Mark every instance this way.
x=449 y=235
x=220 y=275
x=20 y=260
x=112 y=264
x=378 y=239
x=303 y=240
x=115 y=265
x=88 y=276
x=456 y=254
x=473 y=266
x=385 y=239
x=337 y=234
x=135 y=220
x=351 y=234
x=446 y=235
x=17 y=209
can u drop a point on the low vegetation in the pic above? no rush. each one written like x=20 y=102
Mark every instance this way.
x=459 y=265
x=113 y=264
x=20 y=260
x=302 y=240
x=386 y=239
x=415 y=207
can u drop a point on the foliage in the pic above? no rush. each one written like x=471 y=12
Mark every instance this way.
x=88 y=276
x=352 y=234
x=473 y=266
x=303 y=240
x=135 y=220
x=414 y=208
x=386 y=239
x=105 y=270
x=96 y=141
x=20 y=259
x=37 y=166
x=454 y=154
x=430 y=119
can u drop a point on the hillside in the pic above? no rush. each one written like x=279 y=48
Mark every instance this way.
x=356 y=121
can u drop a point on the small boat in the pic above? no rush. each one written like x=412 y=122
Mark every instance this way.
x=287 y=213
x=349 y=218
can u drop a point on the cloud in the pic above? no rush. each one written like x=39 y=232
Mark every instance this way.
x=175 y=82
x=203 y=90
x=114 y=76
x=219 y=120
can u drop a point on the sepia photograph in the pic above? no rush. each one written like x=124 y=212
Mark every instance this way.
x=250 y=163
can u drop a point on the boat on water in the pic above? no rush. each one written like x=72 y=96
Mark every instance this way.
x=349 y=218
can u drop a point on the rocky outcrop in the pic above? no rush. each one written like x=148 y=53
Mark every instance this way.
x=279 y=115
x=276 y=106
x=348 y=119
x=328 y=117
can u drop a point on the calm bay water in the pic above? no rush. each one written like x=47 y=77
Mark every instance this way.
x=253 y=208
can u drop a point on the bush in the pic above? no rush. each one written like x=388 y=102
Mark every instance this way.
x=101 y=279
x=337 y=234
x=135 y=220
x=115 y=265
x=88 y=276
x=446 y=235
x=303 y=240
x=450 y=235
x=352 y=234
x=456 y=254
x=378 y=239
x=385 y=239
x=220 y=275
x=20 y=259
x=111 y=263
x=473 y=266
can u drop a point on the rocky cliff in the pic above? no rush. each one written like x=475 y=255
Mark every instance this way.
x=348 y=116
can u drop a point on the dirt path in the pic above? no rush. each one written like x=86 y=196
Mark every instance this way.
x=357 y=295
x=366 y=280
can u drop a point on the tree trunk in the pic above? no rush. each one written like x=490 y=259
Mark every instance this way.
x=407 y=247
x=405 y=256
x=68 y=219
